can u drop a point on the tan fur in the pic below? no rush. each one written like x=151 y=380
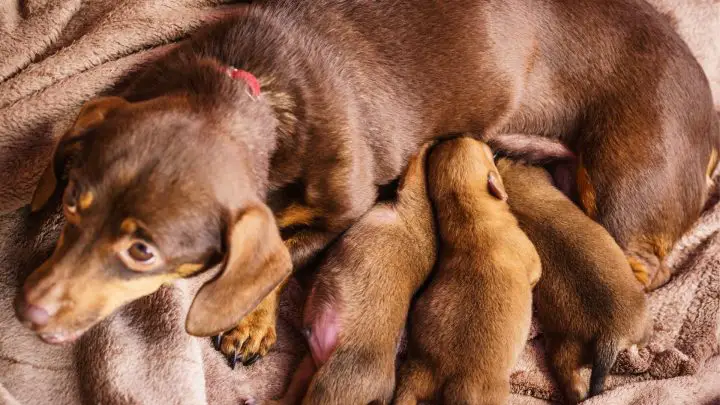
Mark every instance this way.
x=587 y=293
x=470 y=325
x=86 y=200
x=586 y=191
x=296 y=215
x=255 y=334
x=369 y=277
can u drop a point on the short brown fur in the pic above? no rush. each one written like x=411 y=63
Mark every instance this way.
x=369 y=278
x=588 y=303
x=469 y=326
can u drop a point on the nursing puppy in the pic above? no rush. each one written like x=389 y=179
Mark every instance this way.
x=470 y=325
x=588 y=302
x=356 y=310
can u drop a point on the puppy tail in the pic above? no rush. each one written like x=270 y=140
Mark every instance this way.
x=606 y=351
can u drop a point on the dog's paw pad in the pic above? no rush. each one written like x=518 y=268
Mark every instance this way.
x=249 y=341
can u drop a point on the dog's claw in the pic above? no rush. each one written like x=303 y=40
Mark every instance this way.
x=233 y=359
x=249 y=341
x=217 y=340
x=251 y=360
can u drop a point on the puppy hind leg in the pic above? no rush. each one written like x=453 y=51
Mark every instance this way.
x=606 y=351
x=565 y=358
x=415 y=383
x=354 y=376
x=628 y=183
x=625 y=220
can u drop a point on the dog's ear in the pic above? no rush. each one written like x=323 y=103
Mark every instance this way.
x=494 y=181
x=256 y=262
x=496 y=187
x=91 y=114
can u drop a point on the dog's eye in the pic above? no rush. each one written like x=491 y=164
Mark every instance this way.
x=139 y=255
x=141 y=252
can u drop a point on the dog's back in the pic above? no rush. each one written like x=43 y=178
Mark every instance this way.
x=480 y=294
x=587 y=294
x=602 y=284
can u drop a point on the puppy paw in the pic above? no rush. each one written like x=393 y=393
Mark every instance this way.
x=577 y=392
x=250 y=340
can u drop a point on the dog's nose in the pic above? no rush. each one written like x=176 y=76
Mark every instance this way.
x=31 y=313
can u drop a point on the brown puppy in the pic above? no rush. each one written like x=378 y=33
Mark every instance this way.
x=470 y=325
x=333 y=98
x=587 y=301
x=356 y=311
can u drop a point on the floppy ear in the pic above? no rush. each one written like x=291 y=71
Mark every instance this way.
x=495 y=184
x=257 y=261
x=91 y=114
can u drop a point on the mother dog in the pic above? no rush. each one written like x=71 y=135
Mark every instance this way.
x=302 y=109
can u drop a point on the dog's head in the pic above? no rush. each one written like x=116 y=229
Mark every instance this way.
x=156 y=190
x=465 y=164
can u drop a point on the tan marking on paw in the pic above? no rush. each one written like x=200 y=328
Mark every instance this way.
x=255 y=334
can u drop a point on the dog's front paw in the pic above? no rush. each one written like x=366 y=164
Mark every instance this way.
x=250 y=340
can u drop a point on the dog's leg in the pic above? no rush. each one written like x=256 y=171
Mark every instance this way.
x=253 y=337
x=415 y=383
x=353 y=376
x=565 y=358
x=646 y=200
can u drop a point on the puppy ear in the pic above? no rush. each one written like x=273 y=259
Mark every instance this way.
x=495 y=184
x=496 y=187
x=256 y=262
x=91 y=114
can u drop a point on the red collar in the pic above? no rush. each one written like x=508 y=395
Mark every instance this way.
x=249 y=79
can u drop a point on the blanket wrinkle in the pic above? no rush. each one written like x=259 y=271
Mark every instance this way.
x=56 y=54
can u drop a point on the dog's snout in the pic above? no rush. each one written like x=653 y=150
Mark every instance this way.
x=30 y=313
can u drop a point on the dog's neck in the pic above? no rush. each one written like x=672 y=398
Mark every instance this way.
x=295 y=88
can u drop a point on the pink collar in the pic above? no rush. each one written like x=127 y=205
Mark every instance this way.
x=249 y=79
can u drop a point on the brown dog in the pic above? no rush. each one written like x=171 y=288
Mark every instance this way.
x=332 y=99
x=587 y=301
x=356 y=311
x=470 y=325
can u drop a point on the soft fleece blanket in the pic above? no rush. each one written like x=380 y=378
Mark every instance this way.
x=55 y=54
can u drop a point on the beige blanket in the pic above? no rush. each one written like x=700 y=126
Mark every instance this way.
x=54 y=54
